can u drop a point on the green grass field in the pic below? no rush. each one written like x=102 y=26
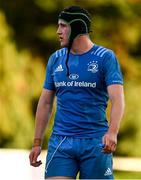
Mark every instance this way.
x=124 y=175
x=127 y=175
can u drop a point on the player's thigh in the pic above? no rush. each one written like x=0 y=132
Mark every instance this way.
x=60 y=161
x=95 y=164
x=60 y=166
x=97 y=167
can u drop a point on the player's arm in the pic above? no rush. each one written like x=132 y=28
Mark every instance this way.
x=43 y=113
x=116 y=96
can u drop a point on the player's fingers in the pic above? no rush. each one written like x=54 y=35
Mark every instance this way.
x=107 y=144
x=110 y=148
x=106 y=151
x=35 y=156
x=31 y=155
x=36 y=164
x=113 y=147
x=107 y=148
x=104 y=141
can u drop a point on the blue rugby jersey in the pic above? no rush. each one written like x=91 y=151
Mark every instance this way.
x=82 y=96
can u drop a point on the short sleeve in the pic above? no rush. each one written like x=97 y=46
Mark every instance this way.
x=112 y=70
x=49 y=82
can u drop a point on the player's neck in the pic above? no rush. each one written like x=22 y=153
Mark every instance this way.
x=81 y=44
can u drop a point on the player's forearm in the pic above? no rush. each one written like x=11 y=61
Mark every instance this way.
x=42 y=117
x=116 y=114
x=43 y=113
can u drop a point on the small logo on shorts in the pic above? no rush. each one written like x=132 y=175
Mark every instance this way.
x=108 y=172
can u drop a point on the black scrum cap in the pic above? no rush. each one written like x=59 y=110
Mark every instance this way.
x=79 y=21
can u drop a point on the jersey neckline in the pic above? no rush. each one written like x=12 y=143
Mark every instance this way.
x=93 y=47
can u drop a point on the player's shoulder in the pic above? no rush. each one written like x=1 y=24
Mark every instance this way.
x=102 y=52
x=60 y=52
x=56 y=55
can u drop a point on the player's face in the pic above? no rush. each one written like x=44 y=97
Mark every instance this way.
x=63 y=32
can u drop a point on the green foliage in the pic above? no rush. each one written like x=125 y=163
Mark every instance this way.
x=28 y=37
x=18 y=79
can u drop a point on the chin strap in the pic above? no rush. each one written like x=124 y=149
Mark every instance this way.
x=67 y=59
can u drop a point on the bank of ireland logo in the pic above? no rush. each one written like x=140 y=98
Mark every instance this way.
x=73 y=76
x=93 y=66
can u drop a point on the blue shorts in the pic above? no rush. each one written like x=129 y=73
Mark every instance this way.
x=69 y=155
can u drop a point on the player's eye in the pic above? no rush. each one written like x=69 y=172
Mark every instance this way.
x=63 y=25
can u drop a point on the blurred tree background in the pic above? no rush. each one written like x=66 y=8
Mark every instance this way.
x=28 y=37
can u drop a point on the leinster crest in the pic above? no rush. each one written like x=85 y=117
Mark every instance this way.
x=93 y=66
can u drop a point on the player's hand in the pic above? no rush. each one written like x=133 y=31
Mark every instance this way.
x=35 y=152
x=110 y=142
